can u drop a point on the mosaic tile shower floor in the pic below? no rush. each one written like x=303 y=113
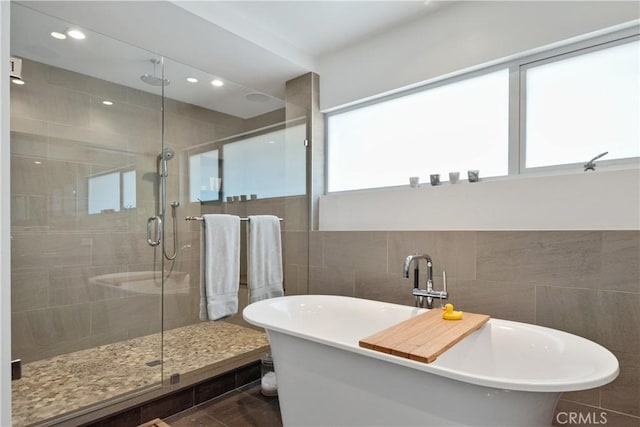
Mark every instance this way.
x=69 y=382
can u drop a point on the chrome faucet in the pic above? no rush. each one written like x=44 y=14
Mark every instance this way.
x=429 y=293
x=417 y=257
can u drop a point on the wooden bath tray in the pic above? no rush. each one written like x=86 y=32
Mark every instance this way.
x=425 y=336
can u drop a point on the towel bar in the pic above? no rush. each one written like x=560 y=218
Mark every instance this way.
x=199 y=218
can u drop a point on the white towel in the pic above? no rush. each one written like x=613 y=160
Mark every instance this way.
x=220 y=266
x=264 y=258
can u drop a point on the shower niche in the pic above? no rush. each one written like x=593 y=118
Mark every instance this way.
x=103 y=311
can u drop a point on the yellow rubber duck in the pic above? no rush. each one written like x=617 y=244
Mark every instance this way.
x=449 y=314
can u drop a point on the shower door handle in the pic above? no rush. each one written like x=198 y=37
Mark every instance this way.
x=158 y=221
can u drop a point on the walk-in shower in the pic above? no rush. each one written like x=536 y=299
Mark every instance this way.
x=98 y=314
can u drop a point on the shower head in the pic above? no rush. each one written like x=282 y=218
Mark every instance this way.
x=167 y=154
x=152 y=79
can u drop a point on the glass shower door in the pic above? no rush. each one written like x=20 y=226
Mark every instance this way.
x=86 y=134
x=236 y=151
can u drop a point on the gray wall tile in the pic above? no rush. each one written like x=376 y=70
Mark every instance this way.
x=316 y=249
x=29 y=212
x=538 y=257
x=618 y=320
x=299 y=283
x=35 y=332
x=125 y=119
x=126 y=313
x=500 y=300
x=388 y=287
x=568 y=309
x=621 y=260
x=296 y=209
x=183 y=131
x=296 y=247
x=29 y=144
x=331 y=281
x=356 y=249
x=48 y=249
x=29 y=290
x=80 y=82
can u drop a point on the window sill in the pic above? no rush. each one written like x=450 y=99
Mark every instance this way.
x=606 y=199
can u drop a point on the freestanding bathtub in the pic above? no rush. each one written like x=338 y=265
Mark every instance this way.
x=505 y=374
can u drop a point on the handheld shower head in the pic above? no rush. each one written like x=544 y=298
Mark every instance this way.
x=166 y=155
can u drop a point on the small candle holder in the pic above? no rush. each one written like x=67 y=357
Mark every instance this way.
x=474 y=175
x=435 y=179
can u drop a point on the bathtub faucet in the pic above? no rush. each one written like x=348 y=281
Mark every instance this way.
x=429 y=293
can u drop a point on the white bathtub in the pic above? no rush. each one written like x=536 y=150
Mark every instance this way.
x=505 y=374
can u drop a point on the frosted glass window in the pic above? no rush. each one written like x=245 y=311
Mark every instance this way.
x=269 y=165
x=584 y=105
x=454 y=127
x=129 y=189
x=204 y=176
x=104 y=193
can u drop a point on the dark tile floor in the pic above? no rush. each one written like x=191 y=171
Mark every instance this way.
x=245 y=407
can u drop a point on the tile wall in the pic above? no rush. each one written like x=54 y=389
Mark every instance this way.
x=583 y=282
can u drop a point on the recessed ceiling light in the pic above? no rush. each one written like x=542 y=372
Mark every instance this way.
x=217 y=82
x=192 y=80
x=257 y=97
x=76 y=34
x=17 y=81
x=57 y=35
x=37 y=162
x=107 y=102
x=271 y=142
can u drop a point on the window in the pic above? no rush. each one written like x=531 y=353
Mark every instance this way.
x=129 y=189
x=582 y=106
x=535 y=112
x=268 y=165
x=454 y=127
x=204 y=177
x=110 y=192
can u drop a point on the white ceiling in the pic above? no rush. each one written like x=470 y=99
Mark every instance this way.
x=255 y=46
x=313 y=28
